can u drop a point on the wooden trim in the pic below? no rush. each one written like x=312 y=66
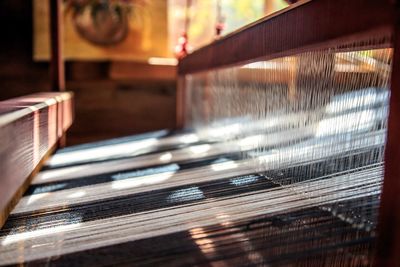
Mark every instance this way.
x=180 y=103
x=38 y=121
x=388 y=247
x=306 y=26
x=57 y=68
x=57 y=74
x=121 y=70
x=21 y=190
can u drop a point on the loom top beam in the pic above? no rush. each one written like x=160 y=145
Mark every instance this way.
x=305 y=26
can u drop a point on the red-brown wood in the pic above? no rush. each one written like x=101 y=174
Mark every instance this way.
x=180 y=103
x=305 y=26
x=38 y=120
x=388 y=253
x=56 y=45
x=57 y=72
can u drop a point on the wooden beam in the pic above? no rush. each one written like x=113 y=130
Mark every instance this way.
x=56 y=45
x=120 y=70
x=38 y=121
x=388 y=249
x=305 y=26
x=180 y=103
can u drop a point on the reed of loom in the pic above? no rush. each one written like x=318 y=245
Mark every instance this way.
x=316 y=25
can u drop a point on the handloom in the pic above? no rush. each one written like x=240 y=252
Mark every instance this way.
x=289 y=133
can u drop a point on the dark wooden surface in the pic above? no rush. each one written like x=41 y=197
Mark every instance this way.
x=111 y=108
x=389 y=220
x=19 y=75
x=6 y=210
x=56 y=46
x=180 y=103
x=306 y=26
x=126 y=70
x=38 y=121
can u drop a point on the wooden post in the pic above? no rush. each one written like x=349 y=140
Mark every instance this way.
x=56 y=46
x=388 y=250
x=57 y=75
x=180 y=102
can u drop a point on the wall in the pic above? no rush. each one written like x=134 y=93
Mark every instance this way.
x=105 y=107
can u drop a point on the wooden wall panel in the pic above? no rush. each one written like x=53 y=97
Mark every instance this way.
x=107 y=109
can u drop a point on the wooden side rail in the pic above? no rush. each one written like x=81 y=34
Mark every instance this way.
x=305 y=26
x=30 y=127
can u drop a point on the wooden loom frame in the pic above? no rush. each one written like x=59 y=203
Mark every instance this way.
x=26 y=110
x=314 y=25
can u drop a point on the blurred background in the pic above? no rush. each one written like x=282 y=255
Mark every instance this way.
x=120 y=55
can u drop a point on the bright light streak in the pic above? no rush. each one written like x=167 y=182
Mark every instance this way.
x=141 y=181
x=224 y=166
x=357 y=99
x=58 y=173
x=163 y=61
x=145 y=172
x=35 y=197
x=13 y=238
x=359 y=121
x=199 y=237
x=266 y=65
x=166 y=157
x=222 y=131
x=102 y=152
x=77 y=194
x=200 y=149
x=189 y=139
x=250 y=142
